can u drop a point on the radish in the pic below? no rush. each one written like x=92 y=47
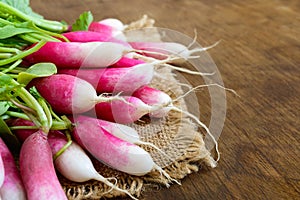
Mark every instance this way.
x=12 y=187
x=127 y=134
x=154 y=97
x=125 y=80
x=159 y=104
x=116 y=24
x=110 y=150
x=122 y=112
x=76 y=55
x=109 y=27
x=162 y=103
x=68 y=94
x=37 y=169
x=73 y=163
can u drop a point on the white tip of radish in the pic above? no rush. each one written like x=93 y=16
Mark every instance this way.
x=83 y=92
x=117 y=26
x=76 y=166
x=114 y=23
x=143 y=164
x=103 y=54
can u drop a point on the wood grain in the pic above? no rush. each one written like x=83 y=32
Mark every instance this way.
x=259 y=58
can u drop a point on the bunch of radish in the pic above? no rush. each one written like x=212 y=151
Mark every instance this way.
x=70 y=93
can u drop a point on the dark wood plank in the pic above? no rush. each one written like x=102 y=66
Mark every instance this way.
x=259 y=58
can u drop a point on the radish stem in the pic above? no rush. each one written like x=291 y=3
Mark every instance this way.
x=23 y=54
x=10 y=68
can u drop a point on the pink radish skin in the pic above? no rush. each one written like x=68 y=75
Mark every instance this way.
x=76 y=55
x=101 y=28
x=37 y=169
x=116 y=153
x=125 y=80
x=86 y=36
x=128 y=62
x=91 y=36
x=12 y=187
x=73 y=163
x=154 y=97
x=122 y=112
x=68 y=94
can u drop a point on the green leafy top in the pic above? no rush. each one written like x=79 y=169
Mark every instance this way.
x=83 y=22
x=20 y=11
x=23 y=6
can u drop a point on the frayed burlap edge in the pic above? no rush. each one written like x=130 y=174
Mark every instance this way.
x=175 y=134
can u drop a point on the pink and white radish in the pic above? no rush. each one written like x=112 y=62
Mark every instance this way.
x=109 y=27
x=76 y=55
x=12 y=187
x=112 y=151
x=162 y=104
x=116 y=24
x=125 y=80
x=154 y=97
x=122 y=112
x=127 y=134
x=73 y=163
x=68 y=94
x=37 y=169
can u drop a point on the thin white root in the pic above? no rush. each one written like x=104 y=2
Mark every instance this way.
x=170 y=58
x=165 y=174
x=185 y=85
x=152 y=52
x=188 y=71
x=203 y=126
x=105 y=97
x=194 y=40
x=144 y=58
x=153 y=146
x=114 y=186
x=201 y=86
x=201 y=49
x=154 y=61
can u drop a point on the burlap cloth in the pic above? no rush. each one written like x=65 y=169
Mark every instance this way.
x=175 y=134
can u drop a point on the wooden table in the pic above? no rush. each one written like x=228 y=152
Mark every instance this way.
x=259 y=58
